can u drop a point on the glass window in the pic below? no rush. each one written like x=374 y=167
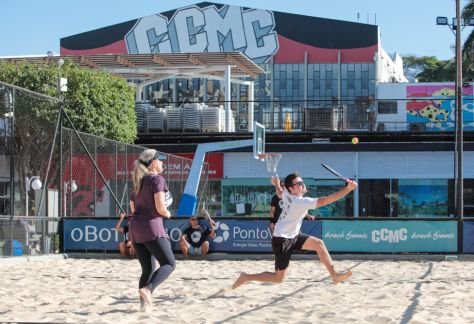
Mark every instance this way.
x=387 y=107
x=365 y=80
x=317 y=76
x=375 y=198
x=468 y=197
x=321 y=188
x=246 y=197
x=350 y=79
x=328 y=80
x=422 y=197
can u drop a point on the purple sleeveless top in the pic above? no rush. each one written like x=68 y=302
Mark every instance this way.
x=146 y=224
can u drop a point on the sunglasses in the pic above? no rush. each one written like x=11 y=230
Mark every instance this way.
x=194 y=219
x=299 y=183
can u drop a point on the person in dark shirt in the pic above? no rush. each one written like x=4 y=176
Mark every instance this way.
x=193 y=241
x=126 y=246
x=275 y=209
x=146 y=229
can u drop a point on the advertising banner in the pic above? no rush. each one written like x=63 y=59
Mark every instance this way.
x=390 y=236
x=468 y=237
x=91 y=234
x=235 y=236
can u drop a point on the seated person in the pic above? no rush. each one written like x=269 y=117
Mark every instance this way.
x=194 y=239
x=125 y=247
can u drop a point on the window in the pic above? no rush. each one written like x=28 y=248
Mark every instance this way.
x=387 y=107
x=422 y=197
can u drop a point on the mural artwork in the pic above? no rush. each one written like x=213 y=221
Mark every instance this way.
x=433 y=106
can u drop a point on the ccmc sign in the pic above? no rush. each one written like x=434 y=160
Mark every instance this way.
x=390 y=236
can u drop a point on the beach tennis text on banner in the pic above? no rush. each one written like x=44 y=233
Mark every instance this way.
x=390 y=236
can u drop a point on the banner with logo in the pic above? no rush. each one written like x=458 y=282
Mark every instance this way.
x=238 y=236
x=390 y=236
x=468 y=237
x=234 y=236
x=91 y=234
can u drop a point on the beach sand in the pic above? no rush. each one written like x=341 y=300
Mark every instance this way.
x=105 y=291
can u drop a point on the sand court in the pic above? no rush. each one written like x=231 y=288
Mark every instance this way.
x=105 y=290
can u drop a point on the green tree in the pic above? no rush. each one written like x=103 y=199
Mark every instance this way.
x=97 y=103
x=468 y=46
x=429 y=68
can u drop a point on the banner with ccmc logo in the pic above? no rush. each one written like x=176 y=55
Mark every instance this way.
x=390 y=236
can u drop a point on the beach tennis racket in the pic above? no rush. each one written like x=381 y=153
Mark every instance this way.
x=206 y=215
x=337 y=174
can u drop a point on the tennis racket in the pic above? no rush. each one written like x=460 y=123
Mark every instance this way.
x=337 y=174
x=206 y=215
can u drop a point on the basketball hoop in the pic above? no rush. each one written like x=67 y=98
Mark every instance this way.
x=272 y=160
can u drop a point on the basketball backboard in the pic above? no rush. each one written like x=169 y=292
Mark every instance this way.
x=258 y=140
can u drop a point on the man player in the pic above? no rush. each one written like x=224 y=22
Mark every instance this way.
x=287 y=237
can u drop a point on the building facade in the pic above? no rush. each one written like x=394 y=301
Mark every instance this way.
x=309 y=62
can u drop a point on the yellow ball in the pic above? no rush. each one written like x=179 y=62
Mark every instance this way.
x=355 y=140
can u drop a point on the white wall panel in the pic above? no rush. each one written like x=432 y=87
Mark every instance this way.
x=468 y=164
x=371 y=165
x=394 y=164
x=420 y=163
x=290 y=162
x=443 y=166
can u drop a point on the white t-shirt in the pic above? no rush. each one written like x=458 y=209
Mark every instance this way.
x=293 y=210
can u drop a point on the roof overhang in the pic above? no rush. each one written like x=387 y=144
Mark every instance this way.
x=149 y=67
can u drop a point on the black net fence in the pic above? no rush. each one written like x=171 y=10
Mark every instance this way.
x=48 y=172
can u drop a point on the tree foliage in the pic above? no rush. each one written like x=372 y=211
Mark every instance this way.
x=429 y=68
x=468 y=46
x=97 y=102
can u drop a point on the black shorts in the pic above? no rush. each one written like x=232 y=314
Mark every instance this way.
x=283 y=249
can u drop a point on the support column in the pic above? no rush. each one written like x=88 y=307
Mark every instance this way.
x=138 y=93
x=228 y=110
x=250 y=108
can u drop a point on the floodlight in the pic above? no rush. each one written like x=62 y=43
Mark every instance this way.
x=441 y=20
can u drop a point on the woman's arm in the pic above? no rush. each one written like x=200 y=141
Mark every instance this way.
x=160 y=204
x=119 y=222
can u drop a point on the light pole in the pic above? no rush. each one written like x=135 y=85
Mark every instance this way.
x=458 y=165
x=71 y=185
x=33 y=182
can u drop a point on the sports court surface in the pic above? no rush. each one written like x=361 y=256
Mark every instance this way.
x=104 y=290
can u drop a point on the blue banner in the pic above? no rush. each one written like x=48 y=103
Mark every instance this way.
x=237 y=236
x=468 y=237
x=390 y=236
x=90 y=234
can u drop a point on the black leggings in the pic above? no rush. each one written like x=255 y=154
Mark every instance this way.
x=161 y=250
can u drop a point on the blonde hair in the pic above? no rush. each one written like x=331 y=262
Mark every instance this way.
x=140 y=169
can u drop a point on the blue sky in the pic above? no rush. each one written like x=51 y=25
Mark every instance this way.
x=34 y=27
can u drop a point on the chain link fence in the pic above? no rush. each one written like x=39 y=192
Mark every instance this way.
x=47 y=172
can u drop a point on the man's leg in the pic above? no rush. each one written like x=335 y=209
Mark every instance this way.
x=274 y=277
x=314 y=244
x=184 y=245
x=204 y=248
